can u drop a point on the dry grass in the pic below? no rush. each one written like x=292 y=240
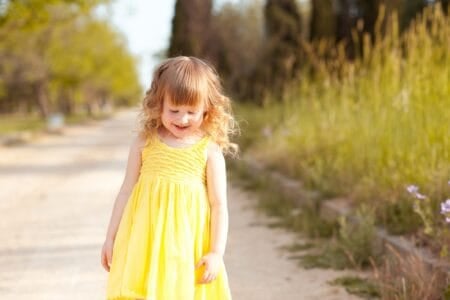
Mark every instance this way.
x=408 y=277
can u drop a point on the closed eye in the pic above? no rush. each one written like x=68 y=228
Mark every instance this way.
x=173 y=111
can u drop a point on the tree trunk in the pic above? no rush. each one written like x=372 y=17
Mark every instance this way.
x=190 y=28
x=323 y=19
x=42 y=98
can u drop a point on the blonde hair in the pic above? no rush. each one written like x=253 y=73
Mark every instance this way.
x=190 y=81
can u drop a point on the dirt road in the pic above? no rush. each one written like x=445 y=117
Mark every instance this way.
x=56 y=196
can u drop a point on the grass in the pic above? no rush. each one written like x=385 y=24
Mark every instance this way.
x=13 y=123
x=296 y=247
x=275 y=202
x=354 y=245
x=350 y=245
x=84 y=117
x=336 y=244
x=407 y=277
x=17 y=123
x=358 y=286
x=399 y=217
x=327 y=257
x=366 y=129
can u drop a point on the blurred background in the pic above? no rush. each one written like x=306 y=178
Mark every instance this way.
x=79 y=56
x=350 y=97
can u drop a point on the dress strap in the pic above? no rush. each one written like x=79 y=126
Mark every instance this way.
x=203 y=142
x=202 y=148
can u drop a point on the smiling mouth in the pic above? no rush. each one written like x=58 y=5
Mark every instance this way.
x=181 y=127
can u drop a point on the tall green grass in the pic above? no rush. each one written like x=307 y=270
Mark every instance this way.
x=368 y=128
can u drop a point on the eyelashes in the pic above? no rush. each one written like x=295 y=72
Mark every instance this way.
x=176 y=111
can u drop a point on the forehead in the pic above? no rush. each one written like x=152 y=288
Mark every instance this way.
x=168 y=101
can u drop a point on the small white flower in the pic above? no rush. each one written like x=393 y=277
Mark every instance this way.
x=445 y=207
x=412 y=189
x=420 y=196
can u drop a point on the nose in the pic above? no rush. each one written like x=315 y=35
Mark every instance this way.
x=184 y=119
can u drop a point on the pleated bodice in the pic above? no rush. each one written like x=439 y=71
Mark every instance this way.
x=186 y=164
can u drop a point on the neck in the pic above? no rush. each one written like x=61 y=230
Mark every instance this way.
x=164 y=133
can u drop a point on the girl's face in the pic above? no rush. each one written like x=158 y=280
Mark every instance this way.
x=182 y=120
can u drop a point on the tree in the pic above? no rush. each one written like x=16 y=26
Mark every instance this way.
x=323 y=19
x=359 y=15
x=104 y=71
x=236 y=42
x=190 y=28
x=283 y=58
x=54 y=55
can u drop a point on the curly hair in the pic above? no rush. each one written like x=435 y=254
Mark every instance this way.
x=188 y=80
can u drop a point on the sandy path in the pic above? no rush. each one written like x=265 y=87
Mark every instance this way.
x=56 y=196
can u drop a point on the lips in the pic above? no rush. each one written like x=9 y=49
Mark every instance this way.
x=181 y=127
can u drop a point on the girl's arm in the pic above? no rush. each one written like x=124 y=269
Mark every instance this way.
x=131 y=176
x=217 y=195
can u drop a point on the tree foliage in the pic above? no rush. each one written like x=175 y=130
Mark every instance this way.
x=56 y=56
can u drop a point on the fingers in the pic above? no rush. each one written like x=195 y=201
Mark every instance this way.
x=106 y=260
x=201 y=262
x=211 y=269
x=208 y=277
x=109 y=258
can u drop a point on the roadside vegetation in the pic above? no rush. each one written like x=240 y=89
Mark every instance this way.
x=373 y=130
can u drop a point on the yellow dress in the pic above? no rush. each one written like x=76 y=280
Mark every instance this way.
x=165 y=229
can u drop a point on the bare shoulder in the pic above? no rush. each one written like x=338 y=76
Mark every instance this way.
x=214 y=153
x=138 y=142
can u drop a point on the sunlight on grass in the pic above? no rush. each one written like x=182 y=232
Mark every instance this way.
x=19 y=123
x=368 y=128
x=15 y=123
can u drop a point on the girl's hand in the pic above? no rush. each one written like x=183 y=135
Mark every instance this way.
x=106 y=255
x=212 y=262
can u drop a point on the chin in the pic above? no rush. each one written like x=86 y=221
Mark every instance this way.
x=180 y=133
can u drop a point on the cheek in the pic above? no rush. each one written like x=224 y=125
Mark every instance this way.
x=199 y=118
x=166 y=117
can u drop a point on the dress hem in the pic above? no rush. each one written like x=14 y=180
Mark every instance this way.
x=128 y=295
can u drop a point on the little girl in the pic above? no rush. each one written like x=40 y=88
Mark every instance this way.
x=167 y=234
